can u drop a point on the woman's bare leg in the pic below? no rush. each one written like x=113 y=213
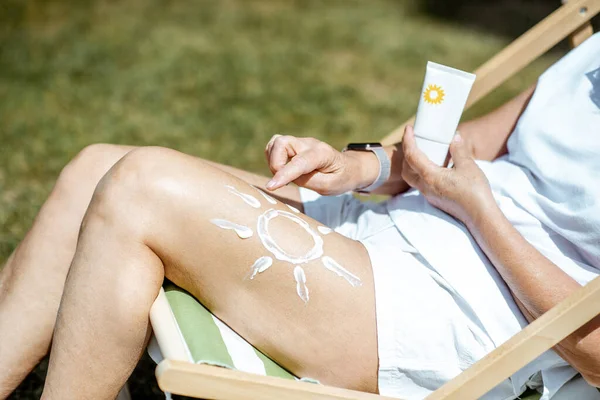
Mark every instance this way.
x=150 y=217
x=32 y=280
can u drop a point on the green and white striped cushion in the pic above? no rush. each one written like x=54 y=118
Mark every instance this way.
x=210 y=341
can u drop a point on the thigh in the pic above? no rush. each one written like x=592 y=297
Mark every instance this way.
x=297 y=291
x=289 y=194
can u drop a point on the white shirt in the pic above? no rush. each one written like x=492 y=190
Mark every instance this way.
x=548 y=186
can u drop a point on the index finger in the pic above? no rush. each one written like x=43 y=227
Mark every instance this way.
x=301 y=164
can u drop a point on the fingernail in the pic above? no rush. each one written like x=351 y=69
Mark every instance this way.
x=457 y=138
x=271 y=184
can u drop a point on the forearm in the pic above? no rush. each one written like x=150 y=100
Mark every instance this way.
x=487 y=135
x=537 y=285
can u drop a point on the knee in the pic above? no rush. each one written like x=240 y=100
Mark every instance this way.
x=139 y=180
x=81 y=175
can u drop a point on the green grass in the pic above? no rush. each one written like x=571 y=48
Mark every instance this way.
x=211 y=78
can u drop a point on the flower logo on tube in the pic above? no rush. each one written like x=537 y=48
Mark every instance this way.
x=434 y=94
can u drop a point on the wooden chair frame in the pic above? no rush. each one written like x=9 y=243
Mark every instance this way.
x=572 y=19
x=204 y=381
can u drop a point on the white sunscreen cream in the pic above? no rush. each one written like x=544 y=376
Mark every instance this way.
x=333 y=266
x=250 y=200
x=301 y=287
x=443 y=98
x=271 y=244
x=267 y=197
x=260 y=265
x=242 y=231
x=324 y=230
x=294 y=209
x=262 y=227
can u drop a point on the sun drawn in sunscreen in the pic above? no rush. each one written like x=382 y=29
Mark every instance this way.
x=271 y=244
x=434 y=94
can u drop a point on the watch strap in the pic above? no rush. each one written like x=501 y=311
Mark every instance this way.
x=385 y=167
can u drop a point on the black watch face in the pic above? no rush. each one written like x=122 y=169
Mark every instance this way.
x=362 y=146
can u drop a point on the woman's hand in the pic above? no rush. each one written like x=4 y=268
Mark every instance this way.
x=462 y=191
x=314 y=164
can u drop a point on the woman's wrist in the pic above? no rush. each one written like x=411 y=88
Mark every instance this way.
x=483 y=212
x=364 y=168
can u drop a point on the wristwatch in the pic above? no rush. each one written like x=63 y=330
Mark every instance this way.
x=384 y=163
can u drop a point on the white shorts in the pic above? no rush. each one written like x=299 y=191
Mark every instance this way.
x=424 y=338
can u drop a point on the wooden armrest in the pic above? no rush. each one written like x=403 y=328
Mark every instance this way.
x=210 y=382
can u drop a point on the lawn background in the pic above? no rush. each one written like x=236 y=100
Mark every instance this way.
x=217 y=78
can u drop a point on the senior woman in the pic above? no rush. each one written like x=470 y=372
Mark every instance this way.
x=399 y=299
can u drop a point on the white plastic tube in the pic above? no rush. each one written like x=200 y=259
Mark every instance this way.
x=443 y=98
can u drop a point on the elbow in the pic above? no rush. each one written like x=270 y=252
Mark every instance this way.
x=588 y=365
x=592 y=379
x=590 y=371
x=582 y=351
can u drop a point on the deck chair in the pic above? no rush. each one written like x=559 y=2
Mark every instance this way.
x=197 y=350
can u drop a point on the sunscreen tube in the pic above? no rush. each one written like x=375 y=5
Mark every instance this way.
x=443 y=98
